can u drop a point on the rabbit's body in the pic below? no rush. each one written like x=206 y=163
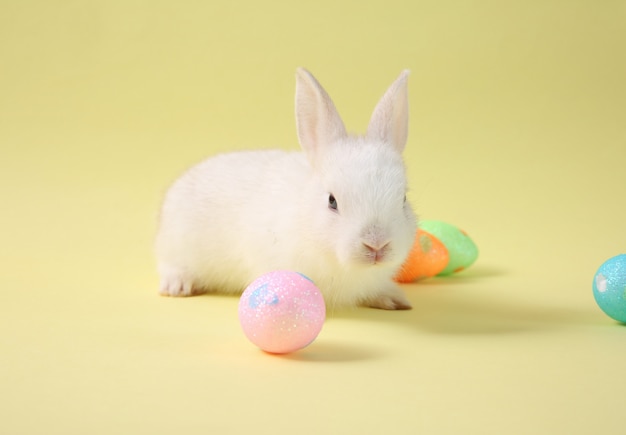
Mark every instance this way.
x=336 y=213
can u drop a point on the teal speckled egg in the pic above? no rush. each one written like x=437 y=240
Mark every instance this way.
x=462 y=250
x=609 y=287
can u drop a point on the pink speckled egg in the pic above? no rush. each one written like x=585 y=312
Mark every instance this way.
x=282 y=311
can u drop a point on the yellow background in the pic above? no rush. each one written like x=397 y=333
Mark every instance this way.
x=517 y=134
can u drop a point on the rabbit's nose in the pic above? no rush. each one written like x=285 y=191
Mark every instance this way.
x=376 y=252
x=375 y=246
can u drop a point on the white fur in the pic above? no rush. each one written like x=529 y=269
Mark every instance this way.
x=236 y=216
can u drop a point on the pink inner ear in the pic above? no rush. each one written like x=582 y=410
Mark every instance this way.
x=317 y=120
x=390 y=120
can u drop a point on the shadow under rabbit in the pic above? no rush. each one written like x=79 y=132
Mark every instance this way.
x=444 y=309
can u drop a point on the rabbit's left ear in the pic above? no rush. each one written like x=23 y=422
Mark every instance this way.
x=318 y=122
x=390 y=120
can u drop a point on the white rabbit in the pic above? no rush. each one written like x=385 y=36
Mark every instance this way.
x=336 y=212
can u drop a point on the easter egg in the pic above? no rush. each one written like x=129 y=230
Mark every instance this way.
x=282 y=312
x=427 y=258
x=609 y=287
x=461 y=249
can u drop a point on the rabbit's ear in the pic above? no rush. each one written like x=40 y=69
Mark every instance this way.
x=317 y=119
x=390 y=120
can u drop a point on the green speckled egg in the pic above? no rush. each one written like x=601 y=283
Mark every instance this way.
x=462 y=250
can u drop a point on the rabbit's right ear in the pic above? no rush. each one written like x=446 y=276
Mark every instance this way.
x=317 y=119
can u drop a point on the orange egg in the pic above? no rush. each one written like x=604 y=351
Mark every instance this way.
x=427 y=258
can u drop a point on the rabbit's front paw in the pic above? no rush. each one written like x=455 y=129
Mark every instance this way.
x=173 y=284
x=392 y=298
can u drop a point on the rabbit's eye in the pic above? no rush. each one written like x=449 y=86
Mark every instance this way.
x=332 y=202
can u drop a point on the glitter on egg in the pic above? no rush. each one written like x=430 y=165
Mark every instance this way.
x=282 y=311
x=461 y=249
x=609 y=287
x=427 y=258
